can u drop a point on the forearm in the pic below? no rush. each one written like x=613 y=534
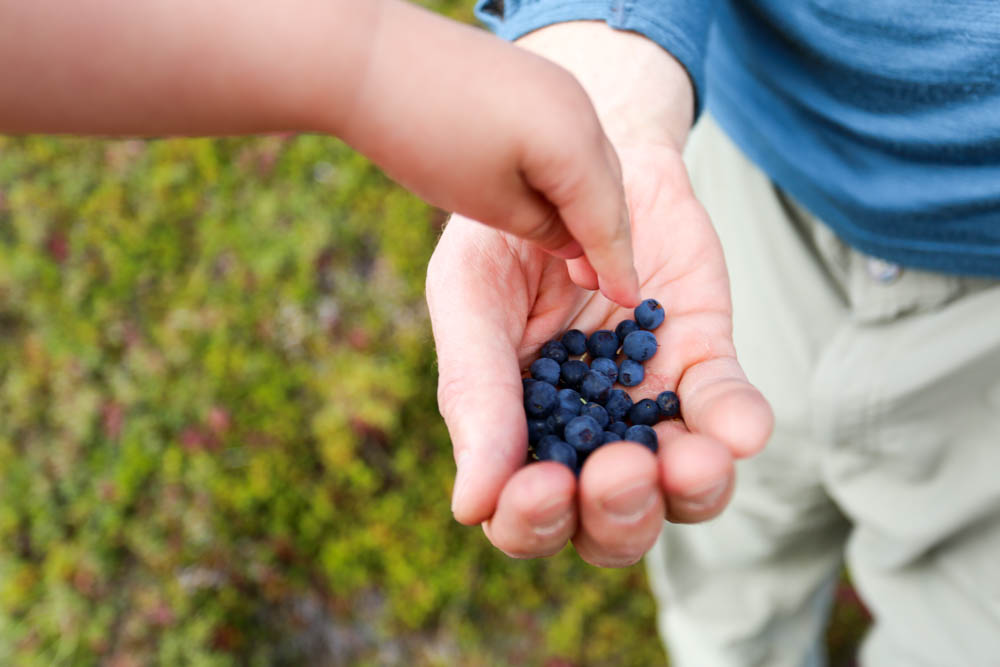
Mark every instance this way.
x=180 y=66
x=642 y=94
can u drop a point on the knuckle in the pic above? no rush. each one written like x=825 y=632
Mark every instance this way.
x=549 y=231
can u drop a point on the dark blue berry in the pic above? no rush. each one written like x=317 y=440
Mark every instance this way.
x=631 y=373
x=645 y=412
x=584 y=434
x=546 y=441
x=545 y=370
x=540 y=400
x=644 y=435
x=618 y=428
x=572 y=372
x=649 y=314
x=625 y=327
x=555 y=350
x=603 y=343
x=606 y=366
x=611 y=436
x=618 y=404
x=639 y=345
x=598 y=413
x=559 y=418
x=560 y=452
x=570 y=399
x=595 y=387
x=575 y=342
x=527 y=382
x=670 y=404
x=537 y=429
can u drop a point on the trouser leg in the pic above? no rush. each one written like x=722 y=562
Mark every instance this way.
x=886 y=391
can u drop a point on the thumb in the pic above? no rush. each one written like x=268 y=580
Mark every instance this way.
x=479 y=385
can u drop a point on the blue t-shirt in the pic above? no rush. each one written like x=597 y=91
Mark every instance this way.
x=881 y=117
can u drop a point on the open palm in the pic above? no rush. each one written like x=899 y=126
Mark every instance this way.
x=494 y=300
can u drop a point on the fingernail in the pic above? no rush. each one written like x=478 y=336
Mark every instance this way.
x=551 y=517
x=631 y=503
x=708 y=496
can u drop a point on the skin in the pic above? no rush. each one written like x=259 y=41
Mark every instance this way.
x=468 y=122
x=614 y=512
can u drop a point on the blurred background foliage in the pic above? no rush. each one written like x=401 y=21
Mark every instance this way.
x=219 y=442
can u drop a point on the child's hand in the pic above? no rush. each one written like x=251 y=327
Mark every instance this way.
x=486 y=129
x=468 y=121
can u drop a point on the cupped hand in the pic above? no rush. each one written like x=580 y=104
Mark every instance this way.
x=495 y=299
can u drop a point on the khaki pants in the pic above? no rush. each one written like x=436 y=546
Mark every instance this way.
x=886 y=453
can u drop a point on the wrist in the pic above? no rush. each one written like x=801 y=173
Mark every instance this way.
x=643 y=95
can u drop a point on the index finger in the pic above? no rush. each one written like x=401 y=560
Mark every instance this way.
x=584 y=183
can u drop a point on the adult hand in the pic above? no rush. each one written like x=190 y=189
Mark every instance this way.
x=494 y=300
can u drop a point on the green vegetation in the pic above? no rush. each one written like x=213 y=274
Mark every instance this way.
x=218 y=434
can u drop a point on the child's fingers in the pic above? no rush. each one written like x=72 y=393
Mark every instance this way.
x=584 y=184
x=598 y=219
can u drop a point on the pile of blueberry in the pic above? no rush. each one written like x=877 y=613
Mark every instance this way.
x=573 y=408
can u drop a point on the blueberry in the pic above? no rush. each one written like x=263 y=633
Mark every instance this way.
x=649 y=314
x=631 y=373
x=645 y=412
x=560 y=452
x=639 y=345
x=598 y=413
x=575 y=342
x=559 y=418
x=555 y=350
x=540 y=400
x=603 y=343
x=644 y=435
x=611 y=436
x=527 y=382
x=618 y=404
x=546 y=442
x=618 y=428
x=572 y=372
x=584 y=434
x=545 y=370
x=670 y=404
x=605 y=366
x=625 y=327
x=595 y=387
x=537 y=429
x=570 y=399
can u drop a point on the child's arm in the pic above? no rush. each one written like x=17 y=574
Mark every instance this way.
x=468 y=122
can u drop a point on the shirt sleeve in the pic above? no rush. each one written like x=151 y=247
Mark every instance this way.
x=679 y=26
